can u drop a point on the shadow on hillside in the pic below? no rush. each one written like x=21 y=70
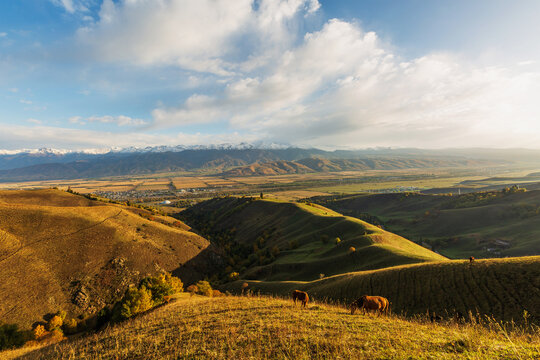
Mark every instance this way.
x=205 y=264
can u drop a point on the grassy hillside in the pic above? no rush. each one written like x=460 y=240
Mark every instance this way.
x=485 y=224
x=63 y=251
x=266 y=328
x=503 y=288
x=275 y=240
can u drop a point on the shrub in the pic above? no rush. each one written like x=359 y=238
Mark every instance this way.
x=352 y=249
x=337 y=240
x=161 y=286
x=11 y=337
x=54 y=323
x=193 y=289
x=39 y=331
x=234 y=276
x=217 y=293
x=134 y=301
x=62 y=314
x=204 y=288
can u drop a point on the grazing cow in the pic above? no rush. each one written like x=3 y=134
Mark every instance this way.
x=301 y=296
x=471 y=259
x=377 y=304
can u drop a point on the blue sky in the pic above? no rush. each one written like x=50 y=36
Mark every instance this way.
x=79 y=74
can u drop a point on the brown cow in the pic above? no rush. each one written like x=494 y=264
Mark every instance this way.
x=377 y=304
x=300 y=296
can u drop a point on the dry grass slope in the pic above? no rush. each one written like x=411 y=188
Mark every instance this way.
x=266 y=328
x=54 y=245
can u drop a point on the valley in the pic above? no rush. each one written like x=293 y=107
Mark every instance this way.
x=79 y=246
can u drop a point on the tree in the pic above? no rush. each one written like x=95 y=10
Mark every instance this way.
x=193 y=289
x=134 y=301
x=54 y=323
x=204 y=288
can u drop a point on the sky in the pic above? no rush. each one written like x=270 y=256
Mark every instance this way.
x=332 y=74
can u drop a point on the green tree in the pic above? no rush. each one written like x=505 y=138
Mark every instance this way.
x=204 y=288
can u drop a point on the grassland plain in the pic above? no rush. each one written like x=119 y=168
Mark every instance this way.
x=506 y=289
x=270 y=328
x=302 y=238
x=508 y=224
x=63 y=251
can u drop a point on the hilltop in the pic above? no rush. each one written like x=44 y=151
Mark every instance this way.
x=64 y=251
x=276 y=240
x=261 y=328
x=482 y=224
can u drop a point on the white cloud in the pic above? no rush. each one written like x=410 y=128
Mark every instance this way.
x=337 y=86
x=120 y=120
x=34 y=121
x=341 y=86
x=204 y=35
x=72 y=6
x=17 y=136
x=3 y=34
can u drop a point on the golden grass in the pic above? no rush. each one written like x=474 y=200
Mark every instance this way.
x=267 y=328
x=50 y=239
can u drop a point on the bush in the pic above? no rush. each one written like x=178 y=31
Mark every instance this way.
x=39 y=331
x=217 y=293
x=204 y=288
x=193 y=289
x=234 y=276
x=11 y=337
x=337 y=240
x=352 y=249
x=161 y=286
x=134 y=301
x=54 y=323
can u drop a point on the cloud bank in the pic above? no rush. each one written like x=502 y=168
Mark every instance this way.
x=335 y=85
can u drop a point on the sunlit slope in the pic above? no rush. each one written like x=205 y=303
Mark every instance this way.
x=488 y=224
x=63 y=251
x=266 y=328
x=504 y=288
x=305 y=236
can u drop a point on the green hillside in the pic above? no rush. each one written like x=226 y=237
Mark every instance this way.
x=484 y=224
x=274 y=240
x=503 y=288
x=266 y=328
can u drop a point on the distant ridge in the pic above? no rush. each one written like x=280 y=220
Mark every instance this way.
x=316 y=164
